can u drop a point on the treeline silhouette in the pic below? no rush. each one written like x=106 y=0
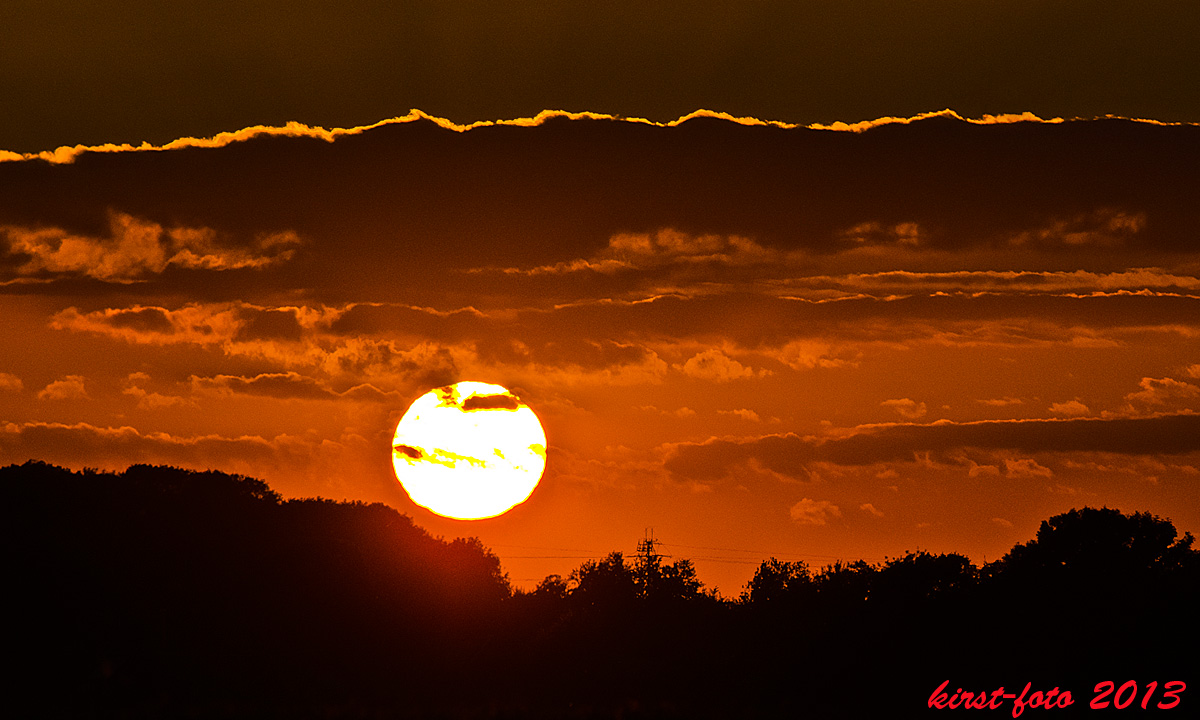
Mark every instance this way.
x=161 y=592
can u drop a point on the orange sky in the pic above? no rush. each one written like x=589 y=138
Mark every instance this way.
x=757 y=340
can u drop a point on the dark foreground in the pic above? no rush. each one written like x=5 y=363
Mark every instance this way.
x=159 y=592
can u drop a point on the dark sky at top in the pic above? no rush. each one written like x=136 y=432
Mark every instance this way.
x=136 y=70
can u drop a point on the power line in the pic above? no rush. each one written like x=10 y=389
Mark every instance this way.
x=547 y=557
x=762 y=553
x=538 y=547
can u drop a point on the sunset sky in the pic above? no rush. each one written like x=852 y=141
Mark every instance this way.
x=818 y=337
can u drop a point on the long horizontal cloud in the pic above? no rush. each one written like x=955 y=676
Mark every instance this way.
x=296 y=465
x=134 y=249
x=790 y=454
x=288 y=385
x=83 y=443
x=68 y=154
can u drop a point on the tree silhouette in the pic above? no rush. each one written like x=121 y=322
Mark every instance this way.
x=168 y=592
x=1088 y=547
x=777 y=580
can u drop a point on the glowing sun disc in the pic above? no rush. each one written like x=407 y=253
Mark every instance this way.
x=470 y=450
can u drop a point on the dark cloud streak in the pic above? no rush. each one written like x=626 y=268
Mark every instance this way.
x=791 y=454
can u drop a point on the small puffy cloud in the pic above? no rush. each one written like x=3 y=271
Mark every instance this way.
x=154 y=401
x=874 y=233
x=1002 y=522
x=907 y=407
x=1070 y=408
x=716 y=366
x=1193 y=371
x=136 y=248
x=742 y=413
x=807 y=354
x=70 y=387
x=975 y=469
x=10 y=383
x=684 y=412
x=814 y=512
x=1026 y=468
x=1000 y=402
x=869 y=508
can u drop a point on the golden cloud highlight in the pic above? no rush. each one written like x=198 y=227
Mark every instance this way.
x=68 y=153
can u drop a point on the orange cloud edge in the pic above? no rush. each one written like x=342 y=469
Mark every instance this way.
x=68 y=153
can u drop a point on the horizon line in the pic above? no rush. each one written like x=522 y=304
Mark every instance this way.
x=66 y=154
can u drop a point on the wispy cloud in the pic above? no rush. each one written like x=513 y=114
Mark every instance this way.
x=136 y=248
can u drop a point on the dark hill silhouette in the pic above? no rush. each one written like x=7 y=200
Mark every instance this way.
x=160 y=592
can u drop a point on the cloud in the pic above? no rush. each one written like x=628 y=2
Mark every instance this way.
x=286 y=386
x=1104 y=227
x=503 y=401
x=807 y=354
x=1002 y=119
x=907 y=407
x=1001 y=402
x=874 y=233
x=154 y=401
x=301 y=462
x=743 y=413
x=791 y=454
x=1072 y=408
x=661 y=248
x=83 y=442
x=70 y=387
x=68 y=154
x=999 y=281
x=268 y=324
x=290 y=336
x=135 y=249
x=869 y=508
x=276 y=385
x=238 y=328
x=1163 y=391
x=1002 y=522
x=814 y=512
x=1026 y=468
x=10 y=383
x=716 y=366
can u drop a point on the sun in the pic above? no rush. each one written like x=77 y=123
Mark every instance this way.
x=471 y=450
